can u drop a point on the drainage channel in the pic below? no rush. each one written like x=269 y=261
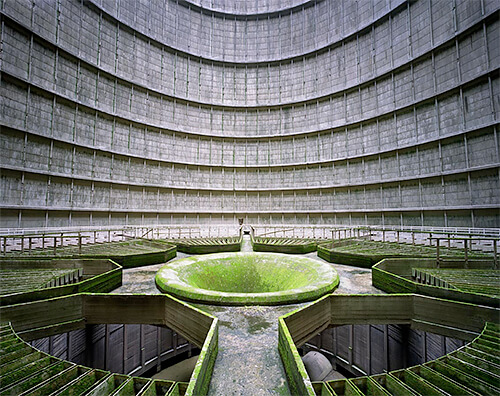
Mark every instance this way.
x=246 y=244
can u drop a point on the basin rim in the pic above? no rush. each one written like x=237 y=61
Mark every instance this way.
x=167 y=281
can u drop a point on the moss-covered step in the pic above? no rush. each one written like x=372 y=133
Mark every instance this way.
x=480 y=281
x=247 y=278
x=26 y=280
x=285 y=245
x=207 y=245
x=363 y=253
x=476 y=284
x=27 y=370
x=458 y=373
x=454 y=374
x=132 y=253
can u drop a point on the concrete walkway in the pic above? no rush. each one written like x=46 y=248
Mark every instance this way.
x=248 y=362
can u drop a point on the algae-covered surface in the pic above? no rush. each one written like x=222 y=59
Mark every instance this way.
x=248 y=362
x=469 y=280
x=378 y=248
x=123 y=248
x=20 y=280
x=247 y=278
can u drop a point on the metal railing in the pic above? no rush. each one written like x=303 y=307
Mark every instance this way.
x=42 y=238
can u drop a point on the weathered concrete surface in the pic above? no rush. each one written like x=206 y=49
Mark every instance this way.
x=248 y=362
x=142 y=279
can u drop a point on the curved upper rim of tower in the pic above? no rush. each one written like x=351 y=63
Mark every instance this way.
x=233 y=45
x=245 y=8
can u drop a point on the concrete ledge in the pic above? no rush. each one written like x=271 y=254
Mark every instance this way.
x=207 y=245
x=285 y=245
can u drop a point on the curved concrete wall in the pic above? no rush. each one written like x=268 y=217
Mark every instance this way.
x=377 y=112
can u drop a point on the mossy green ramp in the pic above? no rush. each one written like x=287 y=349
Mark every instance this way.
x=128 y=254
x=247 y=278
x=99 y=276
x=208 y=245
x=285 y=245
x=361 y=253
x=395 y=276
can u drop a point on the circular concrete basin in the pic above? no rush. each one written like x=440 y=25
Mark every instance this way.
x=247 y=278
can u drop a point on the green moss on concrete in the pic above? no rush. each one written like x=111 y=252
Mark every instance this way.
x=457 y=373
x=365 y=254
x=477 y=281
x=207 y=245
x=256 y=324
x=179 y=389
x=15 y=280
x=298 y=379
x=346 y=258
x=247 y=278
x=105 y=281
x=322 y=389
x=128 y=254
x=394 y=276
x=285 y=245
x=25 y=368
x=158 y=387
x=202 y=373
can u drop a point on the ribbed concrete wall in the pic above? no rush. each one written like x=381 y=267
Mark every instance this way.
x=139 y=112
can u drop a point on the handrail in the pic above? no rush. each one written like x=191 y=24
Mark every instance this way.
x=16 y=239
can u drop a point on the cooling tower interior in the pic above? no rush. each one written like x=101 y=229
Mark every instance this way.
x=134 y=112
